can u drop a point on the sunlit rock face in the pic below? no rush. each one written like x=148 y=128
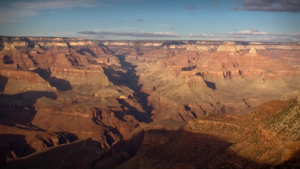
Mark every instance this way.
x=211 y=77
x=55 y=91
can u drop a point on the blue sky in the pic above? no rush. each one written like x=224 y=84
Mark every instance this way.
x=249 y=20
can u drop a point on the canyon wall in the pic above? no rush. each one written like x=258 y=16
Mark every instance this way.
x=58 y=90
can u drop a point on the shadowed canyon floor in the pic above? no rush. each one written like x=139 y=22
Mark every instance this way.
x=148 y=104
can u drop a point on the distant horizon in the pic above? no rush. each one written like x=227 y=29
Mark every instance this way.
x=195 y=40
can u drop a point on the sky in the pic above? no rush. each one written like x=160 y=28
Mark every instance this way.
x=238 y=20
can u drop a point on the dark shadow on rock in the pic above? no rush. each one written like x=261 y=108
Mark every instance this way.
x=133 y=83
x=119 y=115
x=93 y=62
x=116 y=77
x=189 y=68
x=33 y=60
x=293 y=163
x=29 y=42
x=19 y=108
x=97 y=118
x=130 y=79
x=168 y=43
x=105 y=49
x=211 y=85
x=43 y=73
x=97 y=115
x=140 y=116
x=63 y=137
x=109 y=139
x=3 y=159
x=243 y=42
x=188 y=108
x=27 y=98
x=191 y=149
x=29 y=127
x=76 y=155
x=8 y=60
x=1 y=43
x=60 y=84
x=15 y=146
x=83 y=50
x=173 y=149
x=119 y=153
x=3 y=82
x=149 y=149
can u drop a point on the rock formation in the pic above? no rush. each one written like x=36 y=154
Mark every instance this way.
x=54 y=91
x=252 y=52
x=206 y=142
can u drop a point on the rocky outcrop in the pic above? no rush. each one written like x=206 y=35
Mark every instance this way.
x=23 y=81
x=229 y=47
x=252 y=52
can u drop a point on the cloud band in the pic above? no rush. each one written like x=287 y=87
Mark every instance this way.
x=102 y=34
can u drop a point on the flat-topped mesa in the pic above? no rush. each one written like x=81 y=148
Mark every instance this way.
x=62 y=42
x=49 y=42
x=152 y=44
x=81 y=43
x=118 y=43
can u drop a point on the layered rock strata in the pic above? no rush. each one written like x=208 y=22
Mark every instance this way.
x=58 y=90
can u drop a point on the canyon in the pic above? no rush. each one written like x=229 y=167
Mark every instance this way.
x=148 y=104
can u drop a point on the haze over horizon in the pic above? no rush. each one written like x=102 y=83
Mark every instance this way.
x=240 y=20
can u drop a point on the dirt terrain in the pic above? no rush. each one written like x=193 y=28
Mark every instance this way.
x=139 y=104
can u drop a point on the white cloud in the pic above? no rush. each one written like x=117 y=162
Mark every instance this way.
x=205 y=35
x=253 y=34
x=103 y=34
x=248 y=32
x=250 y=35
